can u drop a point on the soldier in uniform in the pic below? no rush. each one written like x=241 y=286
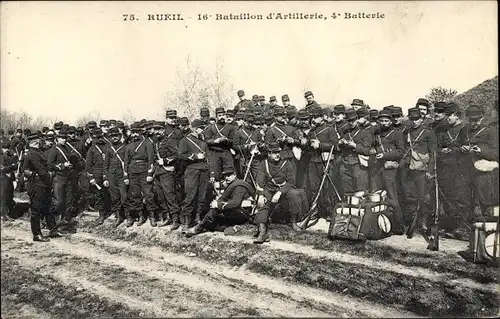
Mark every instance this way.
x=193 y=150
x=480 y=145
x=39 y=190
x=243 y=104
x=114 y=170
x=397 y=118
x=166 y=169
x=139 y=157
x=453 y=175
x=322 y=139
x=226 y=210
x=302 y=132
x=285 y=99
x=421 y=143
x=255 y=143
x=310 y=102
x=94 y=165
x=355 y=145
x=18 y=147
x=424 y=107
x=373 y=117
x=8 y=168
x=219 y=137
x=440 y=124
x=205 y=115
x=390 y=150
x=291 y=116
x=276 y=191
x=357 y=104
x=78 y=153
x=59 y=163
x=328 y=116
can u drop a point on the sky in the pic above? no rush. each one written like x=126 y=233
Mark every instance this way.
x=68 y=59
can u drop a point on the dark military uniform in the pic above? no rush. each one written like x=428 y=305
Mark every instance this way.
x=389 y=142
x=63 y=197
x=8 y=167
x=220 y=154
x=273 y=177
x=78 y=154
x=138 y=160
x=39 y=188
x=421 y=143
x=253 y=142
x=114 y=170
x=166 y=174
x=484 y=180
x=354 y=161
x=228 y=211
x=18 y=147
x=196 y=175
x=96 y=173
x=317 y=164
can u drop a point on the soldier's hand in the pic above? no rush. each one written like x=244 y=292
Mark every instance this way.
x=261 y=201
x=105 y=183
x=465 y=148
x=92 y=181
x=429 y=175
x=213 y=204
x=126 y=181
x=476 y=149
x=276 y=197
x=217 y=140
x=289 y=140
x=68 y=165
x=200 y=156
x=160 y=162
x=379 y=156
x=149 y=179
x=303 y=141
x=351 y=144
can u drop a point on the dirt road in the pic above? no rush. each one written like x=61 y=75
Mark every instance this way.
x=144 y=271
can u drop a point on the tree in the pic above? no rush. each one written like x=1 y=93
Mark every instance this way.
x=84 y=119
x=195 y=88
x=440 y=94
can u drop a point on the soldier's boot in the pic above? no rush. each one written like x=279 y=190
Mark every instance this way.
x=175 y=222
x=152 y=219
x=130 y=222
x=141 y=221
x=198 y=229
x=40 y=238
x=55 y=234
x=256 y=233
x=166 y=220
x=294 y=225
x=119 y=219
x=262 y=234
x=186 y=225
x=423 y=228
x=102 y=217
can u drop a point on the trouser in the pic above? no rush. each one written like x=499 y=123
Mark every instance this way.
x=375 y=176
x=302 y=166
x=354 y=178
x=40 y=201
x=289 y=202
x=389 y=184
x=196 y=186
x=76 y=190
x=63 y=197
x=87 y=195
x=326 y=200
x=417 y=195
x=232 y=217
x=138 y=189
x=6 y=195
x=455 y=196
x=485 y=186
x=102 y=200
x=219 y=161
x=238 y=168
x=166 y=184
x=117 y=192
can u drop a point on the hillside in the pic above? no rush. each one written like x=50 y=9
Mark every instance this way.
x=484 y=94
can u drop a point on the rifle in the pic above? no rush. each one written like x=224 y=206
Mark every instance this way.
x=434 y=237
x=304 y=224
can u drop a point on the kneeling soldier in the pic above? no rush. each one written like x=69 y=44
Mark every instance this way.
x=276 y=190
x=227 y=209
x=39 y=189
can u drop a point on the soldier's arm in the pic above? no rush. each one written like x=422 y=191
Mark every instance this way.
x=489 y=151
x=126 y=160
x=210 y=135
x=184 y=152
x=397 y=153
x=365 y=143
x=431 y=148
x=235 y=202
x=108 y=152
x=150 y=155
x=89 y=162
x=289 y=177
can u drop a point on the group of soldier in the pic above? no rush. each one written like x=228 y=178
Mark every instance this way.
x=256 y=162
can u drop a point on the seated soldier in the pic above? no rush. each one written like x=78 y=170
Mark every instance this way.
x=227 y=209
x=276 y=190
